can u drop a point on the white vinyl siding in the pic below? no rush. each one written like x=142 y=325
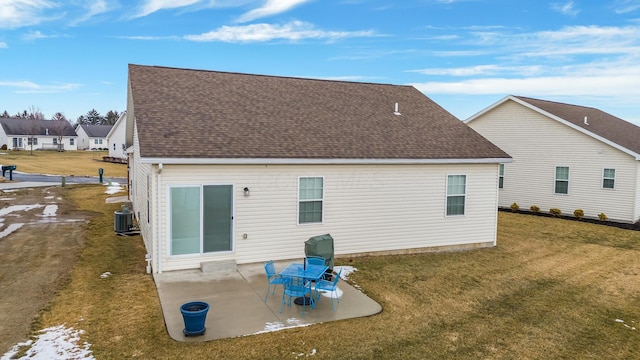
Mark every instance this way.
x=372 y=209
x=609 y=178
x=538 y=144
x=562 y=180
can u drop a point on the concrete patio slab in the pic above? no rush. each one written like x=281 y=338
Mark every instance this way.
x=235 y=298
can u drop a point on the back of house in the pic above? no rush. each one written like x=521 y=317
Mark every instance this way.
x=245 y=168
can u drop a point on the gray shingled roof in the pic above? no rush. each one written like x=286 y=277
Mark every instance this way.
x=600 y=123
x=96 y=131
x=183 y=113
x=15 y=126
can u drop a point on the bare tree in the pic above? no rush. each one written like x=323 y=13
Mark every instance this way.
x=58 y=128
x=35 y=113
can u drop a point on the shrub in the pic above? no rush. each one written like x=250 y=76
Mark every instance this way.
x=515 y=207
x=578 y=213
x=555 y=211
x=4 y=147
x=535 y=208
x=602 y=217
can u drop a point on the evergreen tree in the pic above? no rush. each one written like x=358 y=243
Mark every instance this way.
x=111 y=118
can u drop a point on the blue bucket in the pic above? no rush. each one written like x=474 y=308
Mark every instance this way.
x=194 y=314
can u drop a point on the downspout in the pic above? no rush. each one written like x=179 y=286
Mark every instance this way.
x=158 y=182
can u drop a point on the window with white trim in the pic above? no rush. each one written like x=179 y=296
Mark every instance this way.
x=562 y=180
x=501 y=176
x=608 y=178
x=310 y=199
x=456 y=194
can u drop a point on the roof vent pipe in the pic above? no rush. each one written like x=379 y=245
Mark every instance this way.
x=586 y=121
x=395 y=111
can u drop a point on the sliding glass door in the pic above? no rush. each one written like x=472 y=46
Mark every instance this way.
x=201 y=219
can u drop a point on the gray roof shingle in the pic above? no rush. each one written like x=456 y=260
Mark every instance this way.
x=184 y=113
x=96 y=131
x=599 y=122
x=15 y=126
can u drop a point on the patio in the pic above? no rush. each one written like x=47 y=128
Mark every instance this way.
x=235 y=297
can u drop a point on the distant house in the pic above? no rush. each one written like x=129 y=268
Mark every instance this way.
x=32 y=134
x=93 y=137
x=245 y=168
x=565 y=156
x=116 y=138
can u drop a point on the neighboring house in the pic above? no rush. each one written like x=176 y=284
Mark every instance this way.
x=246 y=168
x=32 y=134
x=565 y=156
x=93 y=137
x=116 y=138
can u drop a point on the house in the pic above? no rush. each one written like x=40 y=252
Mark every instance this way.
x=230 y=167
x=565 y=156
x=36 y=134
x=116 y=138
x=93 y=137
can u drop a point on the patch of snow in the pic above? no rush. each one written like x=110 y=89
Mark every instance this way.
x=13 y=208
x=276 y=326
x=105 y=275
x=113 y=188
x=55 y=342
x=626 y=325
x=346 y=271
x=7 y=199
x=50 y=210
x=10 y=228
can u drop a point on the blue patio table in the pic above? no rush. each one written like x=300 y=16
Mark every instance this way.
x=309 y=272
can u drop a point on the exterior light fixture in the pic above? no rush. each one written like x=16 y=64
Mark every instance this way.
x=246 y=192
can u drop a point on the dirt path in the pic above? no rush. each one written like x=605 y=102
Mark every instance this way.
x=40 y=235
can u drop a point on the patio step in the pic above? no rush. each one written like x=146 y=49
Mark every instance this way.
x=218 y=266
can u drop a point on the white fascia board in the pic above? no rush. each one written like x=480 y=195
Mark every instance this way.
x=262 y=161
x=489 y=108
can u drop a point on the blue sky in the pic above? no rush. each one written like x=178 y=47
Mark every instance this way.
x=71 y=56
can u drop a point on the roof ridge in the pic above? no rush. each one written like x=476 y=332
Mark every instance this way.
x=272 y=76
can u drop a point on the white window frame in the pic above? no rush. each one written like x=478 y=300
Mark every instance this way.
x=555 y=179
x=201 y=230
x=447 y=195
x=604 y=178
x=309 y=200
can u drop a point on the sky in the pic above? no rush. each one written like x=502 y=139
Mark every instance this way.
x=71 y=56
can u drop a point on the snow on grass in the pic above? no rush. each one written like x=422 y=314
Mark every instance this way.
x=626 y=325
x=10 y=228
x=50 y=210
x=57 y=342
x=13 y=208
x=113 y=188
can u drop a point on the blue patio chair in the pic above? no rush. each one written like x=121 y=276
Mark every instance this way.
x=272 y=278
x=296 y=288
x=315 y=260
x=331 y=287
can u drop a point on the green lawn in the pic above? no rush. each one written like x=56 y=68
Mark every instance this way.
x=551 y=289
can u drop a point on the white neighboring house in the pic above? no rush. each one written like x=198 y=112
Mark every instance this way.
x=28 y=134
x=116 y=138
x=245 y=168
x=93 y=137
x=565 y=156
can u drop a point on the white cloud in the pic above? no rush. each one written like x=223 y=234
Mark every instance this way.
x=151 y=6
x=3 y=45
x=35 y=35
x=480 y=70
x=28 y=87
x=271 y=7
x=20 y=13
x=296 y=30
x=626 y=6
x=93 y=8
x=567 y=8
